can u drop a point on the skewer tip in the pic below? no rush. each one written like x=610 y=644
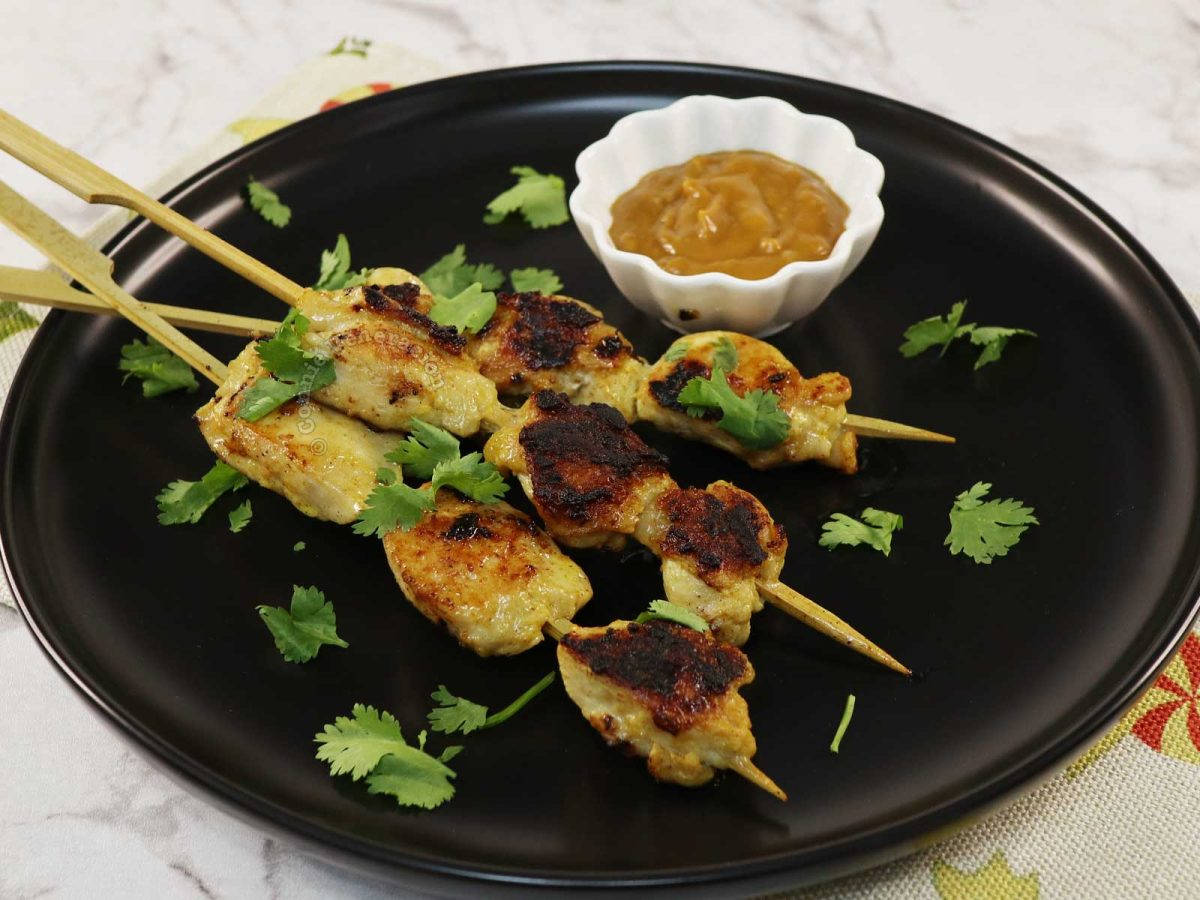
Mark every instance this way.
x=758 y=777
x=868 y=426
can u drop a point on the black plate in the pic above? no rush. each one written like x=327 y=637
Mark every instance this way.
x=1017 y=664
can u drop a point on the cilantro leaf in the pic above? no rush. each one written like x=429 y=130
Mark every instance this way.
x=676 y=351
x=301 y=631
x=936 y=331
x=541 y=199
x=754 y=419
x=186 y=501
x=875 y=530
x=335 y=274
x=159 y=369
x=544 y=281
x=239 y=517
x=725 y=355
x=847 y=714
x=293 y=371
x=672 y=612
x=452 y=274
x=356 y=745
x=471 y=476
x=298 y=546
x=425 y=447
x=985 y=530
x=267 y=204
x=392 y=506
x=469 y=310
x=459 y=714
x=994 y=339
x=414 y=778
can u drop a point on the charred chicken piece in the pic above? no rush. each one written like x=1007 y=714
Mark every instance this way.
x=667 y=693
x=586 y=471
x=487 y=571
x=816 y=407
x=549 y=342
x=321 y=460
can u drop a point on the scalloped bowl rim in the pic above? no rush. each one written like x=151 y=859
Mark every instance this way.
x=871 y=206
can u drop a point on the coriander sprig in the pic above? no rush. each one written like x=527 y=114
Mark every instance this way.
x=541 y=199
x=754 y=418
x=985 y=530
x=267 y=204
x=875 y=530
x=458 y=714
x=673 y=612
x=159 y=370
x=941 y=331
x=303 y=629
x=293 y=371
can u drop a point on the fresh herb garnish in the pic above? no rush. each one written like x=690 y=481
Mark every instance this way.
x=468 y=310
x=875 y=530
x=304 y=629
x=541 y=199
x=676 y=351
x=457 y=714
x=335 y=274
x=159 y=369
x=183 y=502
x=298 y=546
x=293 y=371
x=267 y=204
x=391 y=506
x=472 y=476
x=239 y=517
x=754 y=419
x=985 y=530
x=425 y=447
x=452 y=274
x=847 y=714
x=672 y=612
x=543 y=281
x=369 y=744
x=940 y=331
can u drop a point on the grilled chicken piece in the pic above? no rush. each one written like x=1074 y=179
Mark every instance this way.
x=815 y=406
x=586 y=471
x=393 y=362
x=487 y=571
x=715 y=545
x=321 y=460
x=537 y=342
x=667 y=693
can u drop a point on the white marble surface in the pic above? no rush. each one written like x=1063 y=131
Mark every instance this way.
x=1107 y=94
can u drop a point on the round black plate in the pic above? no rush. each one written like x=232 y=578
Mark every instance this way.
x=1017 y=663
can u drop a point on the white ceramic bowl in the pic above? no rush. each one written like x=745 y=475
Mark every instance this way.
x=644 y=141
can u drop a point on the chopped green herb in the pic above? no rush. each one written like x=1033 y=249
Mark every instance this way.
x=293 y=371
x=298 y=546
x=457 y=714
x=159 y=369
x=335 y=274
x=754 y=419
x=541 y=199
x=301 y=631
x=391 y=506
x=672 y=612
x=452 y=274
x=994 y=339
x=471 y=476
x=468 y=310
x=239 y=517
x=875 y=530
x=725 y=355
x=267 y=204
x=371 y=745
x=385 y=475
x=847 y=714
x=544 y=281
x=186 y=501
x=676 y=351
x=985 y=530
x=425 y=447
x=940 y=331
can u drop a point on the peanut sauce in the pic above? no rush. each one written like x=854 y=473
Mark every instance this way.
x=745 y=213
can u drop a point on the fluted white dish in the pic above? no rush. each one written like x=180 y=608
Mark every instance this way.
x=644 y=141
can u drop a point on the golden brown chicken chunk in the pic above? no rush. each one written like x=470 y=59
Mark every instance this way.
x=487 y=571
x=716 y=545
x=394 y=363
x=667 y=693
x=816 y=407
x=537 y=342
x=586 y=471
x=324 y=462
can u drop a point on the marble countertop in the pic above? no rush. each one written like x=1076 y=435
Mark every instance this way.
x=1105 y=94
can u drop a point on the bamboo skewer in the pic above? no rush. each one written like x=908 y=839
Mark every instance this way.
x=90 y=182
x=94 y=270
x=42 y=288
x=866 y=426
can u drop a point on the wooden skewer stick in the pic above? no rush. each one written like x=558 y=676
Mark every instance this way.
x=818 y=617
x=882 y=428
x=93 y=184
x=558 y=628
x=43 y=288
x=94 y=270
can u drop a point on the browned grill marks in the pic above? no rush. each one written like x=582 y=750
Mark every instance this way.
x=715 y=533
x=610 y=347
x=583 y=457
x=545 y=331
x=666 y=391
x=676 y=672
x=398 y=301
x=467 y=527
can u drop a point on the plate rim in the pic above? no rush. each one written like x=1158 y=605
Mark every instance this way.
x=816 y=863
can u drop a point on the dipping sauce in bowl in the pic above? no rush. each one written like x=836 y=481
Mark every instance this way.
x=743 y=212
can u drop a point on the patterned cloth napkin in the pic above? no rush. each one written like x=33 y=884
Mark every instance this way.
x=1118 y=822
